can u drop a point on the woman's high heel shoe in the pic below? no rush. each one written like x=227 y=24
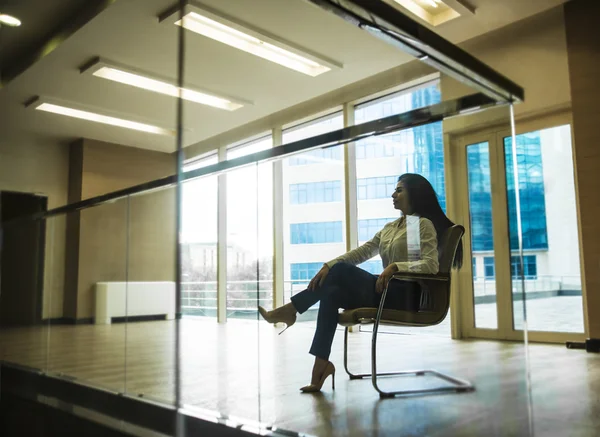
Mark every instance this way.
x=282 y=314
x=314 y=388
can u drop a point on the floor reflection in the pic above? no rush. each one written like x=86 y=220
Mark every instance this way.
x=244 y=369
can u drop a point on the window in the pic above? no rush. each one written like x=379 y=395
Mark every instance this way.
x=547 y=191
x=480 y=196
x=531 y=192
x=474 y=267
x=369 y=227
x=313 y=204
x=376 y=187
x=317 y=127
x=313 y=233
x=316 y=192
x=199 y=242
x=418 y=150
x=249 y=231
x=530 y=264
x=317 y=156
x=376 y=147
x=489 y=268
x=305 y=271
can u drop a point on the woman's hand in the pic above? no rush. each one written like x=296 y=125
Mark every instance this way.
x=384 y=277
x=317 y=281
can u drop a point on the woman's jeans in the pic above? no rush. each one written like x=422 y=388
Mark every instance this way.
x=348 y=287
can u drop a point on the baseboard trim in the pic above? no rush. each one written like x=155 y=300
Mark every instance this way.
x=132 y=319
x=68 y=321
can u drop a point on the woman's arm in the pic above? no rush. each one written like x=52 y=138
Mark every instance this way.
x=360 y=254
x=428 y=262
x=356 y=256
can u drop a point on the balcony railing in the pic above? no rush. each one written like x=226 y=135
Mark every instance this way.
x=200 y=298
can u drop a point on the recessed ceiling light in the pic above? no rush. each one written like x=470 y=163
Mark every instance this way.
x=9 y=20
x=62 y=109
x=435 y=12
x=240 y=36
x=129 y=76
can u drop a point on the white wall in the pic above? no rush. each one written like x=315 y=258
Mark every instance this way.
x=532 y=53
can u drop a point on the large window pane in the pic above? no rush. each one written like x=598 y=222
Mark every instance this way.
x=380 y=160
x=549 y=269
x=482 y=243
x=249 y=234
x=199 y=243
x=313 y=208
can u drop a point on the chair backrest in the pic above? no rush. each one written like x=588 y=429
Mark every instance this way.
x=448 y=247
x=435 y=300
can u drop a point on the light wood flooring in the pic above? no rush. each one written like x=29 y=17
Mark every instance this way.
x=220 y=372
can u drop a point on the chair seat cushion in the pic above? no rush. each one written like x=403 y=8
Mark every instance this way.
x=389 y=317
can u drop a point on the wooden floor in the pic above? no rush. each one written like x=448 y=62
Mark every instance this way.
x=221 y=363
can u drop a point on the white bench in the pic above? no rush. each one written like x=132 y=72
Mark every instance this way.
x=120 y=299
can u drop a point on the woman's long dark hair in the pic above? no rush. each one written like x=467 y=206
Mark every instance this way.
x=424 y=203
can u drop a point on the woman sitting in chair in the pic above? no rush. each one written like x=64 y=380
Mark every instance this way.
x=409 y=244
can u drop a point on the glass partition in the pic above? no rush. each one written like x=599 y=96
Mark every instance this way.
x=154 y=292
x=151 y=296
x=91 y=347
x=28 y=268
x=212 y=353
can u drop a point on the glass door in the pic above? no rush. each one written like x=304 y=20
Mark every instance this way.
x=483 y=285
x=519 y=280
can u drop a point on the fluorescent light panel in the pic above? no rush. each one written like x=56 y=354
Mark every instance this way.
x=222 y=30
x=9 y=20
x=99 y=118
x=434 y=12
x=128 y=77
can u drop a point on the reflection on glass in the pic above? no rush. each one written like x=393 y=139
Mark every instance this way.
x=381 y=160
x=313 y=208
x=151 y=275
x=549 y=269
x=95 y=292
x=482 y=242
x=29 y=291
x=249 y=233
x=199 y=243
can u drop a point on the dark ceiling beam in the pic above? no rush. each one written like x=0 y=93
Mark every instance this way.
x=72 y=22
x=396 y=28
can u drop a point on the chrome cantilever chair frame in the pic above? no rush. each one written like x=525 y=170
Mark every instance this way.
x=457 y=385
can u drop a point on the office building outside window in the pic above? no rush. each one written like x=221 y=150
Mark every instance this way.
x=313 y=206
x=380 y=160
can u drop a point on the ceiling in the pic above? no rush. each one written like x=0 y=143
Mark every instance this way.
x=128 y=32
